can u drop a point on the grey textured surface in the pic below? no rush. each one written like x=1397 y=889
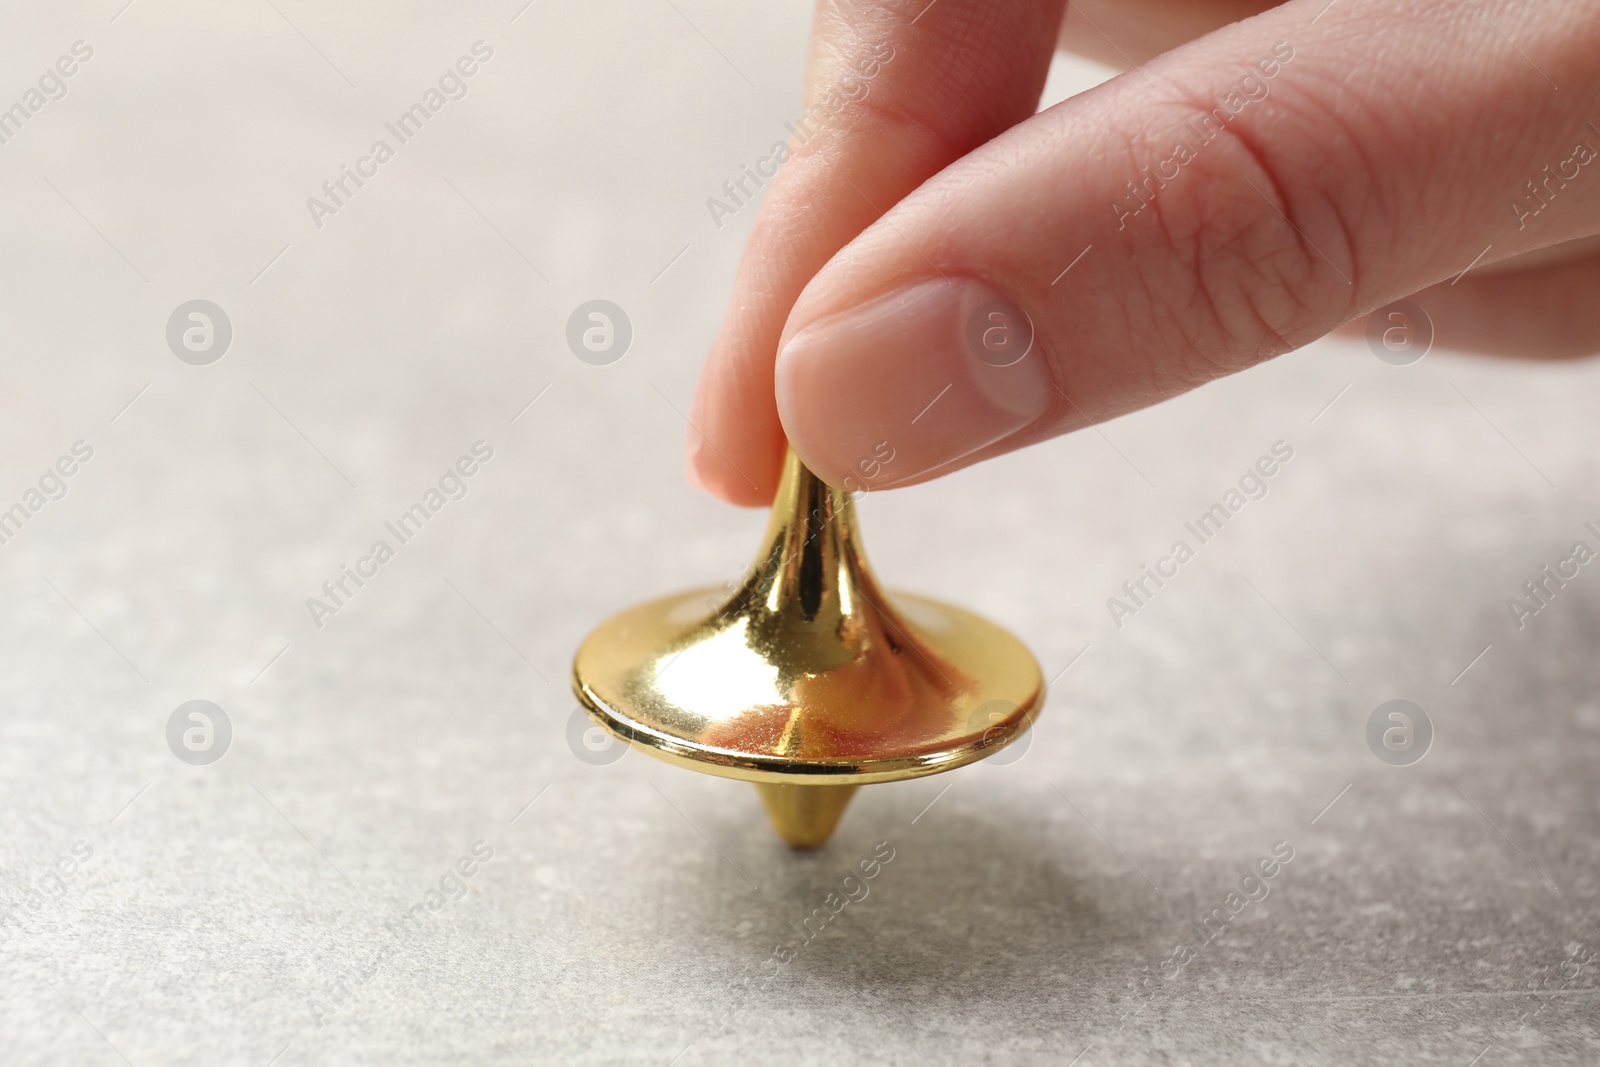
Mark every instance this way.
x=234 y=913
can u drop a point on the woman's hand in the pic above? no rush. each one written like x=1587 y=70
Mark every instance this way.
x=940 y=274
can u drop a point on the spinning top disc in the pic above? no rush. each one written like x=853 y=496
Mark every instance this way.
x=808 y=679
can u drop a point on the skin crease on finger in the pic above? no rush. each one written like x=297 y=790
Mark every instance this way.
x=1550 y=314
x=1483 y=120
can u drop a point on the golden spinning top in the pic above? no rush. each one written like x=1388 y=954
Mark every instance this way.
x=807 y=680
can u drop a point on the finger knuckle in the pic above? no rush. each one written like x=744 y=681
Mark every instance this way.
x=1250 y=260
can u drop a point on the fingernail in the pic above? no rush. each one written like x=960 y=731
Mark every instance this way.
x=706 y=471
x=913 y=380
x=691 y=466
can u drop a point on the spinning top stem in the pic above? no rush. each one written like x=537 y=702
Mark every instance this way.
x=806 y=679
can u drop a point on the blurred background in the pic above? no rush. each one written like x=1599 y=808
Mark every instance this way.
x=251 y=895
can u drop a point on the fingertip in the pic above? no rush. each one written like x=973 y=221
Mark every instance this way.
x=713 y=473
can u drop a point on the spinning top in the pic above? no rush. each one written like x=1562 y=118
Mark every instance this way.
x=809 y=679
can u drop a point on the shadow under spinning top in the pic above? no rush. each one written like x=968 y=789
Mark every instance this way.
x=809 y=680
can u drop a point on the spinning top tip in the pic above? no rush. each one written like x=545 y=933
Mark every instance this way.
x=805 y=815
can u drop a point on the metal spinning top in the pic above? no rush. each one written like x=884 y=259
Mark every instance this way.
x=808 y=680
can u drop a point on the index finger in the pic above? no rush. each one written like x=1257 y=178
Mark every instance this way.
x=896 y=90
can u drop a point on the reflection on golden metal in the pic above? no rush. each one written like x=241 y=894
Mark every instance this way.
x=807 y=679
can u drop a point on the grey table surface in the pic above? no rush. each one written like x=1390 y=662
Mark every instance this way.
x=253 y=910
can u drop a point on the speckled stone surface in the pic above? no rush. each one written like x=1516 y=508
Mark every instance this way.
x=265 y=908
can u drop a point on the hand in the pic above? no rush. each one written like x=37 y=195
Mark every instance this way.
x=1249 y=187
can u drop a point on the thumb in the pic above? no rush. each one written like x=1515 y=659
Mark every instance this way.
x=1235 y=199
